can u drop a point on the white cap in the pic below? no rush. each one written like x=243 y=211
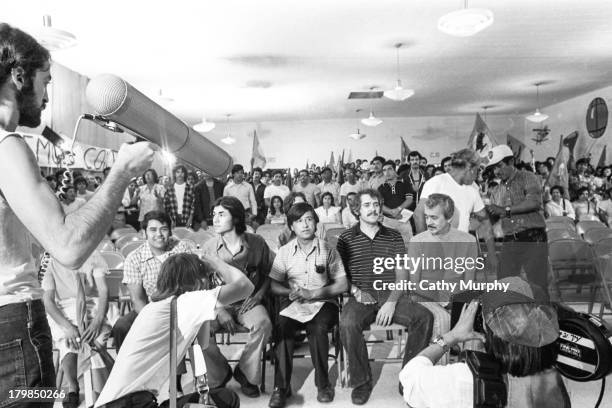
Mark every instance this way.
x=498 y=153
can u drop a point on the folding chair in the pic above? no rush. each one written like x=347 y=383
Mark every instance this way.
x=114 y=260
x=190 y=243
x=593 y=236
x=119 y=232
x=117 y=291
x=133 y=236
x=557 y=234
x=106 y=245
x=182 y=232
x=332 y=235
x=603 y=253
x=583 y=226
x=270 y=232
x=573 y=266
x=129 y=247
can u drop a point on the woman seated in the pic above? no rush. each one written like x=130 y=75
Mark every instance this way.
x=559 y=206
x=276 y=213
x=520 y=330
x=327 y=212
x=585 y=207
x=604 y=208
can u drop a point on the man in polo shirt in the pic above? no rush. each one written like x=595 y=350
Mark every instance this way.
x=378 y=178
x=362 y=248
x=525 y=242
x=310 y=190
x=141 y=267
x=328 y=185
x=351 y=185
x=397 y=196
x=277 y=188
x=250 y=254
x=310 y=273
x=243 y=191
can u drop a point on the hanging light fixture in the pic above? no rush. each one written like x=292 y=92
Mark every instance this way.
x=398 y=93
x=371 y=120
x=537 y=116
x=52 y=38
x=228 y=140
x=358 y=135
x=204 y=126
x=465 y=22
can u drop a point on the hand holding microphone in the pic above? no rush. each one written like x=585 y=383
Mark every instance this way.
x=134 y=159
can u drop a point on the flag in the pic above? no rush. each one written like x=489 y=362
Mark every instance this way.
x=257 y=157
x=405 y=150
x=569 y=141
x=602 y=158
x=350 y=156
x=289 y=180
x=341 y=169
x=481 y=139
x=306 y=164
x=516 y=145
x=331 y=161
x=559 y=175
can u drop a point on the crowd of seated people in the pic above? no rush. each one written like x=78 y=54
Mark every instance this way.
x=368 y=198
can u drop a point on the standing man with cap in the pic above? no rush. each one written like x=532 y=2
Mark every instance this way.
x=525 y=243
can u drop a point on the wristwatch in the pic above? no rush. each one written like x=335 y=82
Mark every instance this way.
x=508 y=213
x=439 y=340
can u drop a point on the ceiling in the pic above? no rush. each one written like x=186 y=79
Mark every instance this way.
x=291 y=60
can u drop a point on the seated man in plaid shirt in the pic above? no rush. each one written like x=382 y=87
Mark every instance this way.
x=141 y=267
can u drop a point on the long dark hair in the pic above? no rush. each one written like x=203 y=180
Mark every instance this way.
x=181 y=273
x=19 y=49
x=272 y=209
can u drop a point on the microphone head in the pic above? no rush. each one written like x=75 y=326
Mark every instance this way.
x=106 y=94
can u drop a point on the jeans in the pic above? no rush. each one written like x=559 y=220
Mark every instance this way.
x=318 y=342
x=356 y=317
x=260 y=328
x=526 y=250
x=26 y=351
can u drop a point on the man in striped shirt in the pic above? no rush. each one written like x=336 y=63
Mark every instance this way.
x=361 y=248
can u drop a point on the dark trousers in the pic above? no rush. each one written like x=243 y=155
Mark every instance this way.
x=317 y=331
x=356 y=317
x=222 y=397
x=122 y=327
x=26 y=351
x=526 y=250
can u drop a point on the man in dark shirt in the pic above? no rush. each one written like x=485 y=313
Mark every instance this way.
x=397 y=196
x=259 y=189
x=525 y=242
x=361 y=248
x=206 y=193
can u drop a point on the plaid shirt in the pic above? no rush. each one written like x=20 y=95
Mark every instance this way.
x=311 y=270
x=171 y=205
x=141 y=266
x=522 y=186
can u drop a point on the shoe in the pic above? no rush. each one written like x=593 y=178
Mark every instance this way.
x=361 y=394
x=71 y=400
x=227 y=378
x=279 y=397
x=248 y=389
x=326 y=394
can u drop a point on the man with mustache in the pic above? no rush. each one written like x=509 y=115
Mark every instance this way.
x=30 y=211
x=358 y=247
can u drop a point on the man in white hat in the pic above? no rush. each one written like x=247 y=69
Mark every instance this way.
x=525 y=244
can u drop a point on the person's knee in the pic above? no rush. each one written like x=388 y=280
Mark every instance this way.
x=349 y=323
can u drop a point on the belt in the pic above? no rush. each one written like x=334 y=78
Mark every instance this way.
x=522 y=234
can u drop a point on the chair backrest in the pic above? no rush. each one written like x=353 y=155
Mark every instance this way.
x=603 y=247
x=191 y=244
x=200 y=235
x=560 y=225
x=106 y=245
x=270 y=232
x=119 y=232
x=113 y=282
x=557 y=234
x=130 y=247
x=324 y=227
x=332 y=235
x=594 y=235
x=134 y=236
x=584 y=226
x=570 y=252
x=559 y=218
x=114 y=260
x=182 y=232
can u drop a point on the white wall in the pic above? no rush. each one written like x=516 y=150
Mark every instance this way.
x=566 y=117
x=290 y=144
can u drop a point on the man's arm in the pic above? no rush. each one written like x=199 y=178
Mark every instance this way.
x=489 y=238
x=253 y=201
x=137 y=295
x=92 y=331
x=69 y=238
x=419 y=216
x=237 y=285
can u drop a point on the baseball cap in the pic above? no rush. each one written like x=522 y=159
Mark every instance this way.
x=497 y=154
x=520 y=315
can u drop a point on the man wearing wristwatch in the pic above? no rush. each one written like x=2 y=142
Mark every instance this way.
x=525 y=243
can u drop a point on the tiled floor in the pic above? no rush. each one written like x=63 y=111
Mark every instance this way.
x=385 y=393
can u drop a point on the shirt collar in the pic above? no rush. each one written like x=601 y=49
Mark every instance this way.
x=356 y=230
x=315 y=246
x=147 y=254
x=244 y=243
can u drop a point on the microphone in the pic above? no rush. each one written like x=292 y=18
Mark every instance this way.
x=115 y=100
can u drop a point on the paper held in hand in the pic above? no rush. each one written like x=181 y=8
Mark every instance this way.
x=406 y=215
x=302 y=312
